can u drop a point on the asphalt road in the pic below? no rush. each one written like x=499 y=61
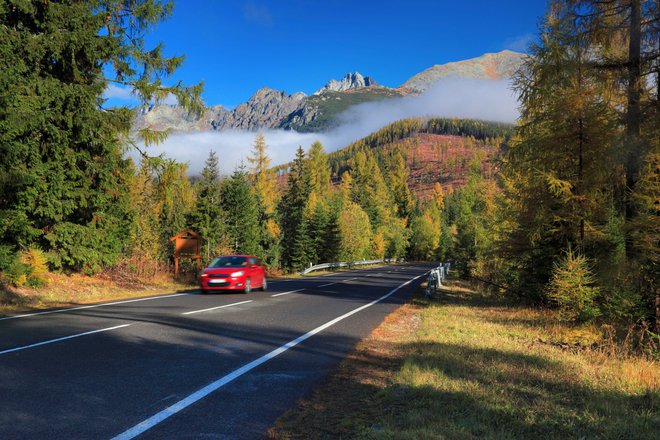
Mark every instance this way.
x=186 y=366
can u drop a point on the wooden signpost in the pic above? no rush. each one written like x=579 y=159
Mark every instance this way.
x=187 y=244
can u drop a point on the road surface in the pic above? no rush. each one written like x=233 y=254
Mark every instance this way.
x=186 y=366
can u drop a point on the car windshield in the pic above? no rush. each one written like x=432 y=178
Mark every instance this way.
x=229 y=262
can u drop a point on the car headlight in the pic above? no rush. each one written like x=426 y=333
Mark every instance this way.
x=240 y=273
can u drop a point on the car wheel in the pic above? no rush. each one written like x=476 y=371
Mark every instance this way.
x=248 y=286
x=264 y=285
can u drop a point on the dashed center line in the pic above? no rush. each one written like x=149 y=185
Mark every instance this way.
x=286 y=293
x=337 y=282
x=93 y=306
x=52 y=341
x=201 y=393
x=216 y=308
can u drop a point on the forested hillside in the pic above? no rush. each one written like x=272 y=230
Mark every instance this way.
x=561 y=210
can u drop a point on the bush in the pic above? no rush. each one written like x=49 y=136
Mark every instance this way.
x=17 y=273
x=572 y=289
x=36 y=260
x=27 y=268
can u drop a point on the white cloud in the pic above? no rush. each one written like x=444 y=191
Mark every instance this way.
x=451 y=97
x=231 y=146
x=170 y=100
x=113 y=91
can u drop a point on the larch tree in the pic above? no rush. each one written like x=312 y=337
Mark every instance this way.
x=319 y=169
x=264 y=186
x=561 y=158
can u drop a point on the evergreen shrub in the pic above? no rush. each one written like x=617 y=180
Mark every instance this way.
x=571 y=288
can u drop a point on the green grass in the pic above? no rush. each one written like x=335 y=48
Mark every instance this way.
x=473 y=367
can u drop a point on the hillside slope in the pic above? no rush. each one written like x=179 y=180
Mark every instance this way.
x=436 y=150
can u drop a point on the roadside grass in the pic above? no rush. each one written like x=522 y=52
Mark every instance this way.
x=69 y=290
x=467 y=366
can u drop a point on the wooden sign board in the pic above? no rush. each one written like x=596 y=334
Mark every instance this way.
x=187 y=244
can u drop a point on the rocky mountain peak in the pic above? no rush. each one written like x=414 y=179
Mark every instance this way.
x=488 y=66
x=348 y=82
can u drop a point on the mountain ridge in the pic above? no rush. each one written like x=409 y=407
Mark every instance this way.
x=269 y=108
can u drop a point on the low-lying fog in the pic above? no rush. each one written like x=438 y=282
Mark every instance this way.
x=454 y=97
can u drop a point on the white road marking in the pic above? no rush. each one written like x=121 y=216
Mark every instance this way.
x=216 y=308
x=286 y=293
x=214 y=386
x=27 y=315
x=337 y=282
x=52 y=341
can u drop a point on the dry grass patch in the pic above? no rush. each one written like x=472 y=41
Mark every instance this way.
x=69 y=290
x=466 y=366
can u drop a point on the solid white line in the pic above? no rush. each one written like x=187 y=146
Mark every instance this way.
x=286 y=293
x=27 y=315
x=215 y=308
x=214 y=386
x=63 y=339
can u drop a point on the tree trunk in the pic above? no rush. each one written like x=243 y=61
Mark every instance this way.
x=634 y=113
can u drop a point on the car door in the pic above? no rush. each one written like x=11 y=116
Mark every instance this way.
x=262 y=269
x=256 y=275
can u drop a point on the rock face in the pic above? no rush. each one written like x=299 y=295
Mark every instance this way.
x=488 y=66
x=348 y=82
x=163 y=117
x=267 y=108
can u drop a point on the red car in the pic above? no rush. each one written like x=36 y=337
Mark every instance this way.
x=234 y=272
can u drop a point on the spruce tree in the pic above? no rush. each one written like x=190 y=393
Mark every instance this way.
x=64 y=181
x=207 y=217
x=241 y=213
x=291 y=209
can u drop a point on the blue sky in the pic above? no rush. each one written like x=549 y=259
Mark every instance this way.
x=237 y=47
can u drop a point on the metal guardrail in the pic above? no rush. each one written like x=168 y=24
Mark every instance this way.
x=338 y=265
x=436 y=277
